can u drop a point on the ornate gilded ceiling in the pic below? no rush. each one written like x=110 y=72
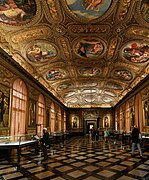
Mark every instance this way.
x=88 y=53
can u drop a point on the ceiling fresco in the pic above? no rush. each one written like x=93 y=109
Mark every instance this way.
x=87 y=53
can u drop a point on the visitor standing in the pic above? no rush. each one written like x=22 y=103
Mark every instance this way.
x=135 y=141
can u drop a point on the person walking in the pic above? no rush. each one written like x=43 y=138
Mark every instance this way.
x=93 y=134
x=45 y=143
x=97 y=134
x=106 y=134
x=135 y=141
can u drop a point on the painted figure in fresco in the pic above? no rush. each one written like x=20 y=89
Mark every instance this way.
x=89 y=71
x=124 y=74
x=41 y=52
x=89 y=9
x=114 y=85
x=55 y=74
x=106 y=122
x=75 y=122
x=36 y=52
x=16 y=11
x=146 y=112
x=2 y=110
x=63 y=86
x=136 y=52
x=92 y=4
x=132 y=117
x=32 y=113
x=87 y=49
x=6 y=112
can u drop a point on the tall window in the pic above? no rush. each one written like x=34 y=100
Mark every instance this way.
x=19 y=102
x=64 y=121
x=52 y=118
x=59 y=120
x=41 y=114
x=116 y=128
x=127 y=126
x=121 y=119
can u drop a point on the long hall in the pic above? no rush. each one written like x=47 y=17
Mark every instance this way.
x=79 y=158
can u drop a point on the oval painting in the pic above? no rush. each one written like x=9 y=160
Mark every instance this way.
x=41 y=52
x=17 y=11
x=123 y=74
x=89 y=48
x=69 y=94
x=89 y=71
x=89 y=84
x=63 y=86
x=114 y=86
x=55 y=74
x=89 y=9
x=145 y=10
x=136 y=52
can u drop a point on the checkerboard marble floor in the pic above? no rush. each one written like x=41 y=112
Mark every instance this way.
x=82 y=159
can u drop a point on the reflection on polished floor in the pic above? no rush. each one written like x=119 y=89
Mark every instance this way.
x=80 y=158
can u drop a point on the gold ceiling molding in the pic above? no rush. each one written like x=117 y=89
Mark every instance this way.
x=135 y=82
x=135 y=68
x=145 y=93
x=5 y=76
x=103 y=47
x=138 y=32
x=112 y=47
x=83 y=29
x=18 y=58
x=138 y=13
x=52 y=9
x=48 y=66
x=124 y=7
x=63 y=42
x=30 y=34
x=147 y=69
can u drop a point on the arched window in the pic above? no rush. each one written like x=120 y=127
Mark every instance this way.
x=19 y=102
x=121 y=119
x=116 y=119
x=59 y=120
x=64 y=121
x=41 y=114
x=52 y=118
x=127 y=126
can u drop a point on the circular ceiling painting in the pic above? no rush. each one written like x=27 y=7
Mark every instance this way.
x=136 y=52
x=17 y=11
x=89 y=71
x=41 y=52
x=89 y=9
x=55 y=74
x=89 y=48
x=145 y=10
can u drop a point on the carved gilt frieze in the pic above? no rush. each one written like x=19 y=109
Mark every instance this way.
x=112 y=48
x=138 y=32
x=5 y=76
x=124 y=7
x=77 y=29
x=30 y=34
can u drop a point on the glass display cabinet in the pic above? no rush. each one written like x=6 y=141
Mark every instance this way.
x=18 y=142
